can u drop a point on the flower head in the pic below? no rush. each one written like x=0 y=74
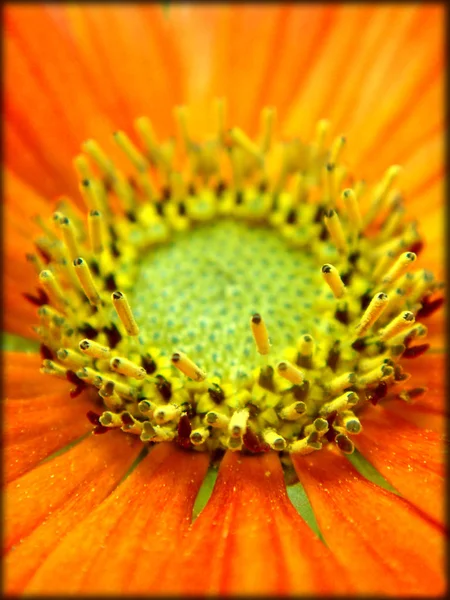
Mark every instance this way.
x=233 y=301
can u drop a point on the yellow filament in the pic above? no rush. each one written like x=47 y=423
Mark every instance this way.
x=372 y=313
x=217 y=419
x=340 y=382
x=86 y=281
x=69 y=236
x=336 y=149
x=199 y=435
x=334 y=226
x=401 y=322
x=333 y=280
x=69 y=356
x=352 y=207
x=187 y=366
x=274 y=439
x=127 y=367
x=166 y=413
x=306 y=345
x=181 y=115
x=382 y=264
x=294 y=411
x=133 y=154
x=400 y=267
x=375 y=375
x=238 y=423
x=82 y=167
x=123 y=310
x=339 y=403
x=290 y=372
x=146 y=132
x=260 y=334
x=53 y=289
x=94 y=350
x=95 y=225
x=243 y=141
x=92 y=148
x=267 y=123
x=90 y=194
x=220 y=109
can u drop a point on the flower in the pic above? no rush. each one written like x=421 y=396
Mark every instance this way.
x=98 y=510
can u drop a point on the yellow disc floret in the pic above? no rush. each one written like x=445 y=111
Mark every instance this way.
x=243 y=294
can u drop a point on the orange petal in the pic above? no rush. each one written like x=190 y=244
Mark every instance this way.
x=35 y=427
x=429 y=409
x=22 y=378
x=124 y=544
x=249 y=539
x=381 y=541
x=410 y=458
x=44 y=505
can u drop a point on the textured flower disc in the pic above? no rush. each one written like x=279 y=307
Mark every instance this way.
x=232 y=293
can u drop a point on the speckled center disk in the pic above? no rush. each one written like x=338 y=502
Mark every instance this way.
x=197 y=293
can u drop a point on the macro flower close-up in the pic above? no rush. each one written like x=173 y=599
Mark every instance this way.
x=224 y=346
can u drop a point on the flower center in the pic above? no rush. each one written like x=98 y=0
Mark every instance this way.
x=248 y=306
x=198 y=292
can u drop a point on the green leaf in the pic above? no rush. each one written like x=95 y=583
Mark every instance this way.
x=204 y=493
x=300 y=500
x=367 y=470
x=17 y=343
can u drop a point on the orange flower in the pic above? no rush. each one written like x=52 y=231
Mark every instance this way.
x=94 y=514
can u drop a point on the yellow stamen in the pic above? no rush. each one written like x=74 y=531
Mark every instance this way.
x=126 y=367
x=95 y=226
x=289 y=372
x=401 y=322
x=238 y=423
x=135 y=156
x=400 y=267
x=260 y=334
x=294 y=411
x=334 y=226
x=86 y=281
x=123 y=310
x=187 y=366
x=372 y=313
x=92 y=148
x=53 y=289
x=333 y=280
x=94 y=350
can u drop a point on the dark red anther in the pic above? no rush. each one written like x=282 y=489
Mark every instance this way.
x=39 y=300
x=93 y=417
x=126 y=419
x=220 y=188
x=46 y=352
x=99 y=429
x=378 y=393
x=334 y=355
x=253 y=443
x=132 y=181
x=331 y=433
x=416 y=392
x=184 y=431
x=73 y=377
x=76 y=391
x=415 y=351
x=113 y=334
x=80 y=385
x=148 y=364
x=429 y=307
x=44 y=254
x=164 y=387
x=417 y=247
